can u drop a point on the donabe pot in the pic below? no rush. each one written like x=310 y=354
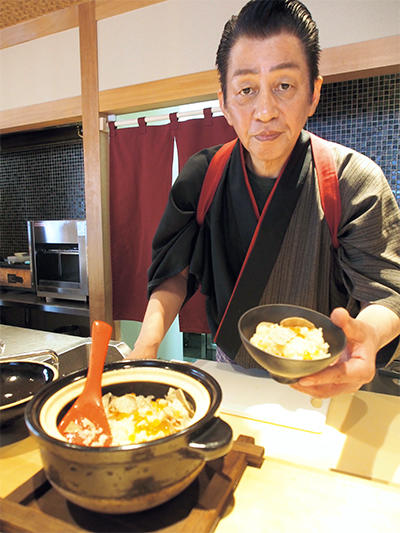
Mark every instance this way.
x=134 y=477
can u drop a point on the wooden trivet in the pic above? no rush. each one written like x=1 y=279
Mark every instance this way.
x=203 y=516
x=16 y=518
x=211 y=505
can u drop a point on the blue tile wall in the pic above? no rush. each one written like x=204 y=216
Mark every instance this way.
x=45 y=182
x=48 y=182
x=364 y=115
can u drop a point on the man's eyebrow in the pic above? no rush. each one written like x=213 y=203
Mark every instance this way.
x=288 y=64
x=280 y=66
x=244 y=71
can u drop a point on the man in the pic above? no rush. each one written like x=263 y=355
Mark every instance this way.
x=267 y=206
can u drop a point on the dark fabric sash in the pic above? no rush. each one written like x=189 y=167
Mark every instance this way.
x=259 y=261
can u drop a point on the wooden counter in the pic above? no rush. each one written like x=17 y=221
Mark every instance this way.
x=345 y=478
x=283 y=497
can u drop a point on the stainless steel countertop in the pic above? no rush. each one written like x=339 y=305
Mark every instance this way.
x=73 y=352
x=22 y=340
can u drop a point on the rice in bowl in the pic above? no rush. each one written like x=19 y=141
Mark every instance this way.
x=292 y=342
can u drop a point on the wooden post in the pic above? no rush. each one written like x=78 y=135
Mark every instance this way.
x=95 y=148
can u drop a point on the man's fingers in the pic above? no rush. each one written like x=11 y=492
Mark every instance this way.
x=345 y=375
x=351 y=327
x=340 y=316
x=333 y=374
x=352 y=371
x=334 y=380
x=325 y=391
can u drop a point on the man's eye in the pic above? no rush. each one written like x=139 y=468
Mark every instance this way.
x=284 y=87
x=246 y=91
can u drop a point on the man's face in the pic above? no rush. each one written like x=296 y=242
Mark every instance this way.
x=268 y=98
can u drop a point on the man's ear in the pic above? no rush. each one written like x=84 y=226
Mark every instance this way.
x=316 y=95
x=223 y=106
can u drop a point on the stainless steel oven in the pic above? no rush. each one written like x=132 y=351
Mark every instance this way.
x=59 y=258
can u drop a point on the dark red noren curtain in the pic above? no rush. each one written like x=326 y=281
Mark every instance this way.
x=191 y=137
x=140 y=181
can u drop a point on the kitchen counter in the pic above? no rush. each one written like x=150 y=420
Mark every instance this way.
x=29 y=300
x=23 y=340
x=283 y=497
x=342 y=475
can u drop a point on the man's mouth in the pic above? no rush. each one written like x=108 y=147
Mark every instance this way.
x=265 y=136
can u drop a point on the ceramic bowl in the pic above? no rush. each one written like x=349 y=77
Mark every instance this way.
x=19 y=382
x=133 y=477
x=283 y=369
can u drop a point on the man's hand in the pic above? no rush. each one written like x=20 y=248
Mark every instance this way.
x=141 y=352
x=355 y=367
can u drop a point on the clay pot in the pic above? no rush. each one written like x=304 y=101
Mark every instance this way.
x=134 y=477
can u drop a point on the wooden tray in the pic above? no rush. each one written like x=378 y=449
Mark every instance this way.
x=197 y=509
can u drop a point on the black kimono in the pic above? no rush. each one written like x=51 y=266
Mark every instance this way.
x=283 y=254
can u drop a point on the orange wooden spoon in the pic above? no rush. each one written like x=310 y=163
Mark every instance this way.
x=85 y=423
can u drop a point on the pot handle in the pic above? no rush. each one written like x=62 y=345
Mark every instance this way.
x=213 y=441
x=45 y=356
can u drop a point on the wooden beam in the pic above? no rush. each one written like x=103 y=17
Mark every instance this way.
x=340 y=63
x=109 y=8
x=65 y=19
x=61 y=20
x=361 y=60
x=31 y=117
x=160 y=93
x=97 y=219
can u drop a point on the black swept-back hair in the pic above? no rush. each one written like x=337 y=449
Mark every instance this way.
x=260 y=19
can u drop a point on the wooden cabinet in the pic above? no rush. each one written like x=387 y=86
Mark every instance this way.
x=15 y=277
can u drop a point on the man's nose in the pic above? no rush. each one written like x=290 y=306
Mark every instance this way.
x=265 y=106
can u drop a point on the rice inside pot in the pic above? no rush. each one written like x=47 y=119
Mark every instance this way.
x=136 y=418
